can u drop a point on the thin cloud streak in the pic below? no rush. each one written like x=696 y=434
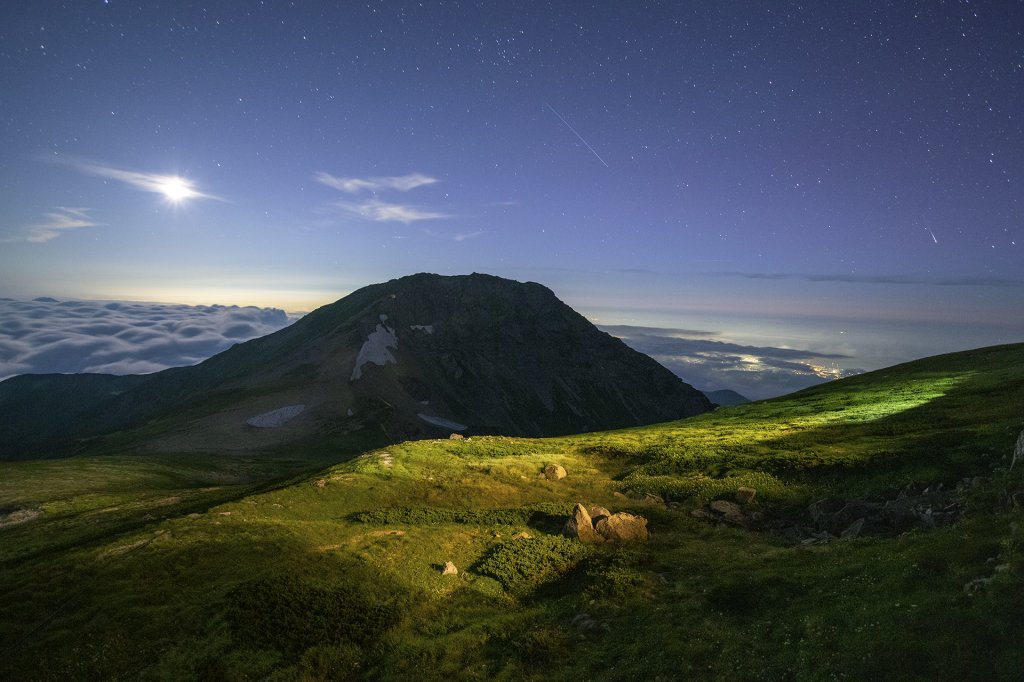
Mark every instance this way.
x=880 y=279
x=59 y=221
x=402 y=183
x=382 y=212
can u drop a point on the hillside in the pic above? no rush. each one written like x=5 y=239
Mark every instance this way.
x=415 y=357
x=883 y=542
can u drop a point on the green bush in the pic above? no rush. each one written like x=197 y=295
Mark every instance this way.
x=522 y=564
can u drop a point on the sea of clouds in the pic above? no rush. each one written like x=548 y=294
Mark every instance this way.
x=45 y=335
x=709 y=363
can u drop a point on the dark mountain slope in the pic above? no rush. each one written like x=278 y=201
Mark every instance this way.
x=418 y=356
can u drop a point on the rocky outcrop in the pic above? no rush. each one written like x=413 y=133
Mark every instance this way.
x=599 y=525
x=581 y=526
x=837 y=518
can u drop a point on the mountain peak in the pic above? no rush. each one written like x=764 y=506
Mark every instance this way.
x=419 y=356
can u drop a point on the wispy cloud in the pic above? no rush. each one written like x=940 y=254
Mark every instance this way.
x=382 y=212
x=469 y=235
x=57 y=222
x=880 y=279
x=174 y=187
x=402 y=183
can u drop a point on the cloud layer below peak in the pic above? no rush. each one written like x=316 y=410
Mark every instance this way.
x=118 y=337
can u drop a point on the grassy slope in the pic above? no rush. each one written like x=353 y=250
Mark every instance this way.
x=336 y=574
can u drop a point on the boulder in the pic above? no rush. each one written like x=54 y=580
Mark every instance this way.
x=554 y=472
x=853 y=530
x=821 y=511
x=456 y=436
x=581 y=526
x=597 y=513
x=727 y=511
x=745 y=495
x=449 y=569
x=622 y=527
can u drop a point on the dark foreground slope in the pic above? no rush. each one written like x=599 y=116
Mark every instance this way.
x=418 y=356
x=336 y=576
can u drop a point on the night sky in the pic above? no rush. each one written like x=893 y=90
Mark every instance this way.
x=839 y=177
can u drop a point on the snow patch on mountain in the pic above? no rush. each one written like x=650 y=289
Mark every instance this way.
x=376 y=349
x=443 y=423
x=275 y=418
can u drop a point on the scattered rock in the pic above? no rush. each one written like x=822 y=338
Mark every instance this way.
x=727 y=511
x=853 y=530
x=745 y=495
x=522 y=536
x=622 y=527
x=703 y=514
x=587 y=623
x=554 y=472
x=456 y=436
x=320 y=483
x=822 y=510
x=974 y=586
x=449 y=569
x=619 y=495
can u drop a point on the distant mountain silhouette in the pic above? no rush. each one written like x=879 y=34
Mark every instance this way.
x=415 y=357
x=726 y=397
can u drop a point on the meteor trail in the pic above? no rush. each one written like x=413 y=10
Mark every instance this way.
x=577 y=134
x=934 y=239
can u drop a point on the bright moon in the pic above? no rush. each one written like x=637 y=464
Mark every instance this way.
x=176 y=189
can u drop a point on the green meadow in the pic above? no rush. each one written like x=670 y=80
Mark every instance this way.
x=325 y=563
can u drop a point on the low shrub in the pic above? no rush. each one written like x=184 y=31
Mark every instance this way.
x=522 y=564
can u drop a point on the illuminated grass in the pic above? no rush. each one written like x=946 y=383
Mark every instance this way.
x=187 y=568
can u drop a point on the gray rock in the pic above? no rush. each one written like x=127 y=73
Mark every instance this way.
x=449 y=569
x=729 y=512
x=853 y=530
x=821 y=511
